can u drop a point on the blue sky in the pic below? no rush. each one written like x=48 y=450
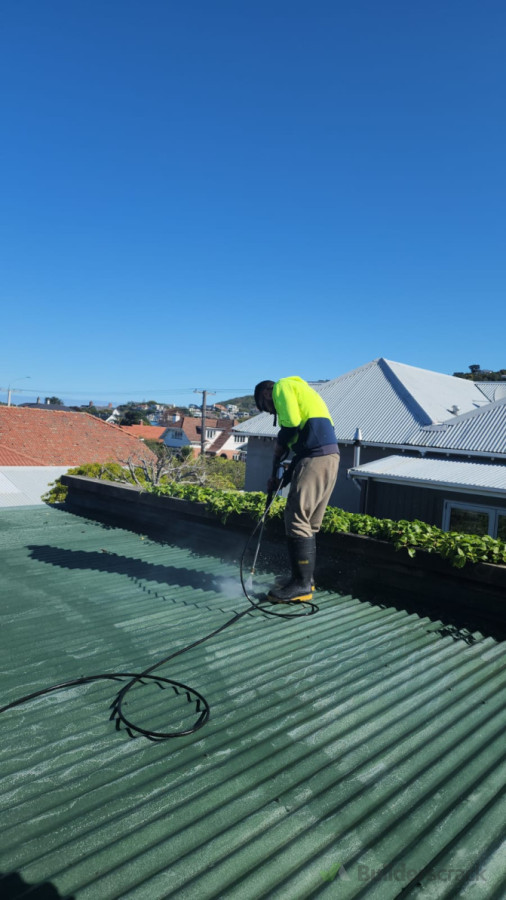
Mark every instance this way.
x=209 y=193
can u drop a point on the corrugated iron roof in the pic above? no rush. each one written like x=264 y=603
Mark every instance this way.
x=436 y=472
x=387 y=401
x=493 y=390
x=480 y=431
x=359 y=751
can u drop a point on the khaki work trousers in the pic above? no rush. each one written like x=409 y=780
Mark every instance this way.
x=312 y=483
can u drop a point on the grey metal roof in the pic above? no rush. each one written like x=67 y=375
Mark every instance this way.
x=387 y=401
x=436 y=472
x=25 y=485
x=493 y=390
x=480 y=431
x=358 y=752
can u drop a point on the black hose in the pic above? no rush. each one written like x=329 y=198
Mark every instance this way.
x=202 y=707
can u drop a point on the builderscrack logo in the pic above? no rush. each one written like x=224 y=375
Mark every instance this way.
x=403 y=874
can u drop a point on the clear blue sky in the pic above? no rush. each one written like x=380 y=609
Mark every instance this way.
x=204 y=194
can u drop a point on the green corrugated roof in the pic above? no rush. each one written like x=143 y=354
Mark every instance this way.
x=363 y=737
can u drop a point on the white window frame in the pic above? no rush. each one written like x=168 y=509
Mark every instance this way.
x=493 y=513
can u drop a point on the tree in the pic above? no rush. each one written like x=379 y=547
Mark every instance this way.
x=476 y=373
x=134 y=417
x=98 y=413
x=53 y=401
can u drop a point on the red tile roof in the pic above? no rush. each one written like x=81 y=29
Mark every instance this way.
x=15 y=458
x=34 y=437
x=146 y=432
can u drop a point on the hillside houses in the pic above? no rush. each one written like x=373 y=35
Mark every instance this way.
x=386 y=412
x=186 y=432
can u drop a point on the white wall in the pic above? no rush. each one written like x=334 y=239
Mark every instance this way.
x=24 y=485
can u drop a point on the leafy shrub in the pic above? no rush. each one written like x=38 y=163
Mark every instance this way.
x=112 y=471
x=404 y=535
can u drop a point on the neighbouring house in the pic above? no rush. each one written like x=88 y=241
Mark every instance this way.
x=220 y=439
x=455 y=495
x=114 y=418
x=457 y=481
x=386 y=409
x=39 y=445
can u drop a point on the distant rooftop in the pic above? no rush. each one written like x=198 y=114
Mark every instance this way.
x=58 y=438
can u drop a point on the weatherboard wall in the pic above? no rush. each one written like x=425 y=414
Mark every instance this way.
x=402 y=501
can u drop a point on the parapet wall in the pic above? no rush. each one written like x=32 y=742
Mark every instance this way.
x=347 y=563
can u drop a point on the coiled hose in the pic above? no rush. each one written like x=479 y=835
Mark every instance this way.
x=202 y=707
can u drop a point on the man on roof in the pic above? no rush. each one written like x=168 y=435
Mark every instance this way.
x=306 y=431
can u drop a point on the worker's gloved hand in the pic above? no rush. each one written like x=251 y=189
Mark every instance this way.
x=287 y=477
x=272 y=485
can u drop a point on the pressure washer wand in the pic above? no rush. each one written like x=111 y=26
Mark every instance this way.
x=271 y=496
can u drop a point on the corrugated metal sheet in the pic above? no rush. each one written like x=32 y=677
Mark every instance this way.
x=25 y=485
x=481 y=431
x=493 y=390
x=386 y=400
x=357 y=753
x=443 y=472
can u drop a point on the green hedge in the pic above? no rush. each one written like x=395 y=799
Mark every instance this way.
x=455 y=547
x=412 y=536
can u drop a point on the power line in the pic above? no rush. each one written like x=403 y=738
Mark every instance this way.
x=104 y=391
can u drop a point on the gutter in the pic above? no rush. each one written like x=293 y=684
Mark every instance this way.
x=454 y=487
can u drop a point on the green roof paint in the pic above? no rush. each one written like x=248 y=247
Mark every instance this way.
x=359 y=752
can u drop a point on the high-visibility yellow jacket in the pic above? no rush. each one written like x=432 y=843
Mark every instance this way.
x=306 y=425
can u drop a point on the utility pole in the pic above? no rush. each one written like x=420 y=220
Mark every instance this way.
x=11 y=390
x=204 y=408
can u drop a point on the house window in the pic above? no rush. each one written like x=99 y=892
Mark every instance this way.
x=470 y=519
x=239 y=438
x=210 y=433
